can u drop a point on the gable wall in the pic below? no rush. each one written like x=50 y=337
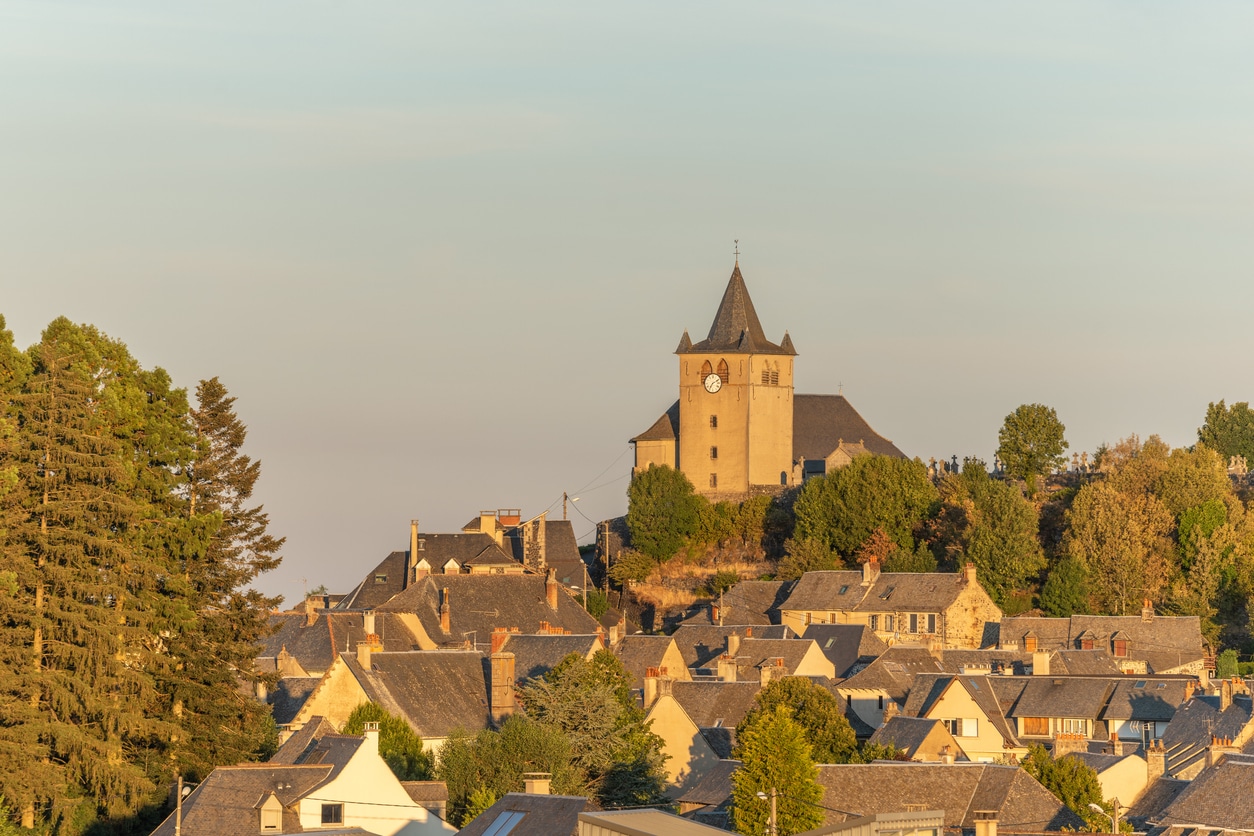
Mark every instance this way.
x=335 y=697
x=955 y=704
x=689 y=757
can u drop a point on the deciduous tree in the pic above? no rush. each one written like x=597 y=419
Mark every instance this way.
x=1031 y=443
x=1229 y=430
x=663 y=510
x=399 y=745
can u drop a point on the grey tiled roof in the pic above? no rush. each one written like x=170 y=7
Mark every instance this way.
x=535 y=656
x=436 y=691
x=754 y=653
x=820 y=422
x=1048 y=696
x=1188 y=735
x=959 y=789
x=906 y=733
x=753 y=603
x=1156 y=797
x=928 y=688
x=380 y=584
x=227 y=802
x=543 y=815
x=665 y=428
x=1218 y=797
x=736 y=327
x=714 y=704
x=1145 y=698
x=715 y=787
x=699 y=645
x=478 y=603
x=894 y=671
x=1163 y=642
x=332 y=633
x=303 y=740
x=288 y=696
x=846 y=644
x=639 y=653
x=426 y=792
x=890 y=592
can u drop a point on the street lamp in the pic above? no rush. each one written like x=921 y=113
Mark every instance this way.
x=1113 y=816
x=771 y=829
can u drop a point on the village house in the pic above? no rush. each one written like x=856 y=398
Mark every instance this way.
x=533 y=812
x=639 y=654
x=849 y=647
x=337 y=784
x=696 y=722
x=753 y=603
x=919 y=739
x=945 y=608
x=700 y=646
x=1217 y=802
x=970 y=708
x=1140 y=644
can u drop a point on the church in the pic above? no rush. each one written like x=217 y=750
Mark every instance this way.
x=738 y=429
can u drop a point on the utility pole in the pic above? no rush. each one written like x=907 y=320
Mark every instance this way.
x=563 y=504
x=178 y=807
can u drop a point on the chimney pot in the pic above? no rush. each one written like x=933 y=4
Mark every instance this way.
x=732 y=644
x=727 y=668
x=445 y=612
x=1155 y=761
x=985 y=823
x=499 y=637
x=969 y=572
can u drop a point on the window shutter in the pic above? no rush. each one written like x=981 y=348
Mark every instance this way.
x=970 y=727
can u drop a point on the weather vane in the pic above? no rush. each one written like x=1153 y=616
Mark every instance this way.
x=737 y=250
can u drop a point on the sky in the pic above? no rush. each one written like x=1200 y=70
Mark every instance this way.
x=442 y=253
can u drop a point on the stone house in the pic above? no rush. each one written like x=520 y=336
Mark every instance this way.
x=638 y=654
x=338 y=784
x=970 y=708
x=697 y=722
x=920 y=739
x=943 y=608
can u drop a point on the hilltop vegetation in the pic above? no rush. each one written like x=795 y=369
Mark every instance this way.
x=1143 y=521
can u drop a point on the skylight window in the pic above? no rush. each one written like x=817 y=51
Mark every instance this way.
x=1140 y=683
x=1162 y=685
x=843 y=589
x=504 y=823
x=887 y=592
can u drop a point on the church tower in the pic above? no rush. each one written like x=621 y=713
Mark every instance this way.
x=735 y=402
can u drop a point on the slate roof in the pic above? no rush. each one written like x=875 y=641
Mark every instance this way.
x=1156 y=798
x=1096 y=761
x=1144 y=698
x=561 y=552
x=1084 y=663
x=332 y=633
x=639 y=653
x=426 y=792
x=891 y=591
x=478 y=603
x=928 y=688
x=292 y=749
x=959 y=789
x=720 y=739
x=646 y=822
x=736 y=327
x=665 y=428
x=715 y=704
x=845 y=645
x=227 y=802
x=894 y=671
x=754 y=653
x=535 y=656
x=1164 y=642
x=747 y=603
x=715 y=787
x=1188 y=735
x=380 y=584
x=1048 y=696
x=1218 y=797
x=820 y=422
x=699 y=645
x=288 y=697
x=436 y=691
x=543 y=815
x=906 y=733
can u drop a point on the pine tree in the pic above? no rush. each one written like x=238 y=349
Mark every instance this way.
x=399 y=745
x=775 y=757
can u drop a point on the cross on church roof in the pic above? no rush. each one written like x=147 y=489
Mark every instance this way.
x=737 y=251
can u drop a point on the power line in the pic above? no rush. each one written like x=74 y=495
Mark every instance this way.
x=626 y=450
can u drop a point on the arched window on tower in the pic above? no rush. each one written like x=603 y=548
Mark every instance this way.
x=775 y=374
x=706 y=370
x=722 y=371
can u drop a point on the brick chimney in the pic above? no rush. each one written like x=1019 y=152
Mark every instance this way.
x=968 y=572
x=651 y=676
x=870 y=572
x=1116 y=745
x=501 y=686
x=445 y=612
x=411 y=573
x=1065 y=744
x=1225 y=694
x=1147 y=611
x=1190 y=688
x=985 y=823
x=1155 y=761
x=1219 y=746
x=536 y=783
x=727 y=668
x=732 y=644
x=550 y=589
x=891 y=709
x=499 y=636
x=770 y=670
x=1040 y=663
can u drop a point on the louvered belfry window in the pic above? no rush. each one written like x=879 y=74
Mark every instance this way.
x=722 y=371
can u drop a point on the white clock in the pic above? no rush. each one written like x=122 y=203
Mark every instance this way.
x=713 y=383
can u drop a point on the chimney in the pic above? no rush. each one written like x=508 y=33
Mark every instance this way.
x=749 y=632
x=1147 y=611
x=445 y=613
x=733 y=644
x=891 y=709
x=367 y=622
x=870 y=571
x=985 y=823
x=311 y=611
x=651 y=676
x=412 y=573
x=499 y=636
x=501 y=686
x=726 y=668
x=764 y=674
x=1116 y=745
x=1065 y=744
x=364 y=650
x=946 y=754
x=1225 y=694
x=536 y=783
x=370 y=731
x=1190 y=688
x=664 y=684
x=1040 y=663
x=968 y=572
x=550 y=589
x=1219 y=746
x=1155 y=761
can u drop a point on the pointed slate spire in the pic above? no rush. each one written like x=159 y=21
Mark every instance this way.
x=736 y=316
x=786 y=344
x=685 y=343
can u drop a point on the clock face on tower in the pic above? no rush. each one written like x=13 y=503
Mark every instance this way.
x=713 y=383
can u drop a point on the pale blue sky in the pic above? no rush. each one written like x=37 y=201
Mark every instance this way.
x=442 y=253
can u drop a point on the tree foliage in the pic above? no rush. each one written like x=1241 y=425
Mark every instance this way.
x=1229 y=430
x=399 y=745
x=805 y=555
x=842 y=509
x=663 y=510
x=1070 y=779
x=775 y=756
x=1031 y=443
x=813 y=707
x=1065 y=592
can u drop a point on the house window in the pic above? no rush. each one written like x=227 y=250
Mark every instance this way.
x=332 y=813
x=1121 y=647
x=1029 y=644
x=880 y=700
x=970 y=727
x=914 y=622
x=888 y=623
x=843 y=589
x=1086 y=644
x=874 y=622
x=504 y=822
x=1072 y=725
x=1036 y=726
x=380 y=578
x=713 y=480
x=714 y=452
x=931 y=622
x=722 y=371
x=714 y=422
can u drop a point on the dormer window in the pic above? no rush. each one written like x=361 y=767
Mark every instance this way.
x=887 y=592
x=1121 y=648
x=1029 y=643
x=271 y=814
x=380 y=578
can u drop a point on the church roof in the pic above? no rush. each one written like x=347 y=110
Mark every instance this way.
x=821 y=422
x=736 y=327
x=665 y=428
